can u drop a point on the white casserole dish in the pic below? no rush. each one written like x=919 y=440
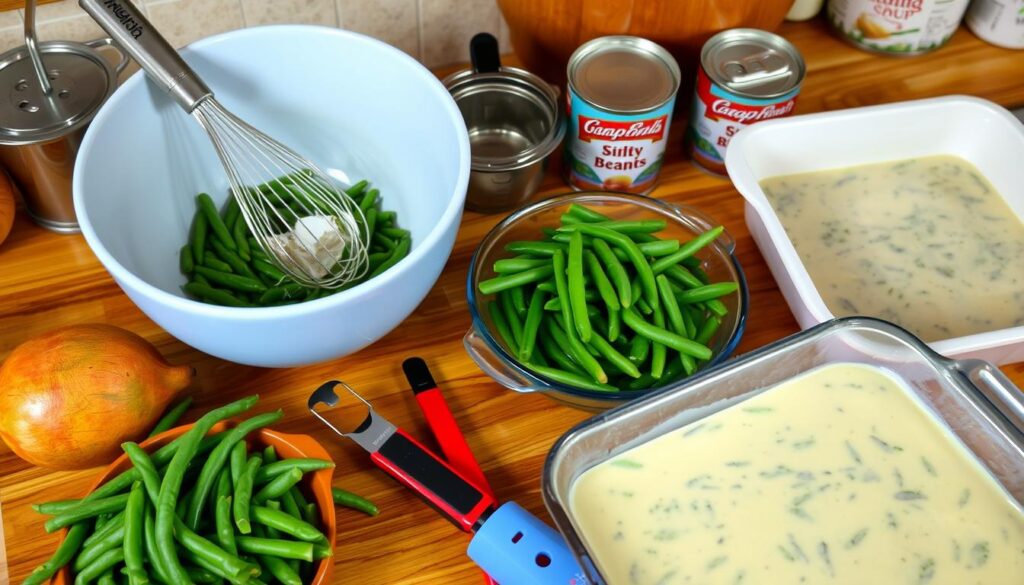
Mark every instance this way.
x=983 y=133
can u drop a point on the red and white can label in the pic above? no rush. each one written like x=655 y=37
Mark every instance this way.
x=718 y=114
x=614 y=152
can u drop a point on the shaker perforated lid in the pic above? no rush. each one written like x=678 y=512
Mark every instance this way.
x=81 y=78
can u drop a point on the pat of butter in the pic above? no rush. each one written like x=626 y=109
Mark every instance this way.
x=313 y=246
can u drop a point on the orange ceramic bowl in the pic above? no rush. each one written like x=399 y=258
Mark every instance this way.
x=288 y=446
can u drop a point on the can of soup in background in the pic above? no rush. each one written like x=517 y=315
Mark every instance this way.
x=621 y=91
x=746 y=76
x=896 y=27
x=1000 y=22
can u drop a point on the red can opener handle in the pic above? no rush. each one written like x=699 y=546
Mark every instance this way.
x=412 y=464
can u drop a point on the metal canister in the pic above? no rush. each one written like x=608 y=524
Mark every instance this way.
x=514 y=124
x=896 y=27
x=621 y=93
x=40 y=131
x=746 y=76
x=1000 y=22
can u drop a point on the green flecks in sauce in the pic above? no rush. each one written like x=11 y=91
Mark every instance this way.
x=626 y=463
x=927 y=243
x=926 y=572
x=856 y=539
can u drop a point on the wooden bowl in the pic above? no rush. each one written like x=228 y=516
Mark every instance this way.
x=545 y=32
x=288 y=446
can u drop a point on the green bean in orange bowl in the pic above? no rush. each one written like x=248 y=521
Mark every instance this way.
x=596 y=298
x=224 y=498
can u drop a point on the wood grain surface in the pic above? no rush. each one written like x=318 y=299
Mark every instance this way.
x=47 y=280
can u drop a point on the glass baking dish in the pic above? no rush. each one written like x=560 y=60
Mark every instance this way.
x=970 y=397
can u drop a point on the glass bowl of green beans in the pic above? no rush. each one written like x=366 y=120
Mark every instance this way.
x=596 y=298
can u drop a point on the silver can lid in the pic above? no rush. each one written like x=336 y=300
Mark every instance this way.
x=753 y=63
x=623 y=74
x=81 y=78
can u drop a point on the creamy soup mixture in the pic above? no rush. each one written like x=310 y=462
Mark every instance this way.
x=926 y=243
x=838 y=476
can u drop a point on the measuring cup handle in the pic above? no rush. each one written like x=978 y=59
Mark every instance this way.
x=123 y=58
x=491 y=365
x=701 y=222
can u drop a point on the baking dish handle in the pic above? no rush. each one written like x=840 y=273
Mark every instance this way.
x=700 y=222
x=491 y=364
x=995 y=386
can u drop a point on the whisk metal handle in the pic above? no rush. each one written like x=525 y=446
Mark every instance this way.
x=149 y=48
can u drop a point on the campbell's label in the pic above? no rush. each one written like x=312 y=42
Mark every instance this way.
x=614 y=152
x=717 y=115
x=897 y=26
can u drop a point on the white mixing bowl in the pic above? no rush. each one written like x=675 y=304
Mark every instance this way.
x=355 y=106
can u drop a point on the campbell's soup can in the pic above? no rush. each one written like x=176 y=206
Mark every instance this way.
x=745 y=76
x=896 y=27
x=620 y=98
x=1000 y=22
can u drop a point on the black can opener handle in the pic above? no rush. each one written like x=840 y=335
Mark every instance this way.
x=483 y=52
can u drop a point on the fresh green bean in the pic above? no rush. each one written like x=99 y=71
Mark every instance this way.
x=689 y=364
x=547 y=286
x=393 y=232
x=239 y=232
x=287 y=524
x=634 y=254
x=383 y=241
x=601 y=282
x=706 y=292
x=668 y=301
x=269 y=454
x=92 y=551
x=586 y=214
x=233 y=567
x=171 y=417
x=243 y=494
x=558 y=353
x=576 y=347
x=707 y=331
x=501 y=325
x=234 y=281
x=285 y=549
x=269 y=270
x=216 y=264
x=92 y=571
x=357 y=189
x=532 y=324
x=231 y=211
x=511 y=265
x=62 y=556
x=682 y=276
x=214 y=295
x=222 y=522
x=276 y=468
x=173 y=477
x=515 y=324
x=107 y=578
x=147 y=471
x=215 y=462
x=199 y=230
x=133 y=527
x=571 y=379
x=289 y=505
x=86 y=510
x=642 y=226
x=185 y=259
x=686 y=250
x=645 y=381
x=717 y=307
x=614 y=325
x=639 y=349
x=569 y=219
x=238 y=266
x=213 y=219
x=355 y=501
x=660 y=335
x=101 y=533
x=577 y=301
x=659 y=352
x=56 y=506
x=507 y=281
x=277 y=486
x=400 y=251
x=546 y=249
x=236 y=461
x=612 y=355
x=280 y=570
x=615 y=271
x=368 y=200
x=518 y=299
x=202 y=576
x=149 y=545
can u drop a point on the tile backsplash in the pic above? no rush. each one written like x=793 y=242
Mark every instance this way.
x=436 y=32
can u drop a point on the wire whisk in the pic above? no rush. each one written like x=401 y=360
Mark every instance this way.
x=311 y=230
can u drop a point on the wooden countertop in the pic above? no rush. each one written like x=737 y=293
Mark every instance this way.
x=47 y=280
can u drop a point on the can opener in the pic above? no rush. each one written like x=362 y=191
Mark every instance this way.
x=509 y=543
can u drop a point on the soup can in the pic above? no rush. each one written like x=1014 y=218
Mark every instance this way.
x=746 y=76
x=1000 y=22
x=896 y=27
x=621 y=92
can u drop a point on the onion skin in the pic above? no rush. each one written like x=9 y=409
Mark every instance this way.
x=71 y=396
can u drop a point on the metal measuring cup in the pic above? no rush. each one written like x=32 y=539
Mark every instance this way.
x=514 y=123
x=53 y=90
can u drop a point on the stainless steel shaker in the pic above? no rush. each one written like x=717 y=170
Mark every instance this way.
x=514 y=123
x=49 y=92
